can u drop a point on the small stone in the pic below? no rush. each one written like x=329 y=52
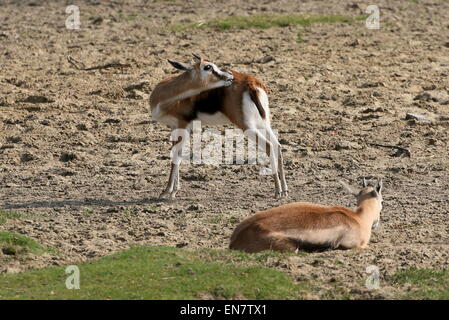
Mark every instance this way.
x=425 y=96
x=265 y=59
x=370 y=110
x=97 y=21
x=357 y=5
x=429 y=87
x=138 y=86
x=372 y=85
x=81 y=127
x=422 y=97
x=301 y=278
x=194 y=207
x=10 y=251
x=37 y=99
x=413 y=116
x=181 y=244
x=27 y=156
x=67 y=157
x=355 y=43
x=64 y=172
x=14 y=139
x=111 y=120
x=347 y=145
x=317 y=262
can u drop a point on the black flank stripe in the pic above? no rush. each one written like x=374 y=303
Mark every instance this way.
x=209 y=102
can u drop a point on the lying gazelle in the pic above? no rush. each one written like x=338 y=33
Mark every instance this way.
x=309 y=226
x=204 y=92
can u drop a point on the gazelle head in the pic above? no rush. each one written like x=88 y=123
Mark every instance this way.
x=204 y=74
x=369 y=193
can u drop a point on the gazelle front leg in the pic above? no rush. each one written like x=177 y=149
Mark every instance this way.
x=181 y=138
x=284 y=186
x=173 y=180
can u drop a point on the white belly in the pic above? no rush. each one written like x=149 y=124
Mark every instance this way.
x=215 y=119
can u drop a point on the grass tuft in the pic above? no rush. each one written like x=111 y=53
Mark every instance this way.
x=427 y=283
x=12 y=243
x=264 y=21
x=9 y=215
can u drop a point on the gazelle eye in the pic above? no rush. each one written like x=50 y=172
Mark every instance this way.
x=208 y=67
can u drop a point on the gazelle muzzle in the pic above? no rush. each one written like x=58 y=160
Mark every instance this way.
x=224 y=75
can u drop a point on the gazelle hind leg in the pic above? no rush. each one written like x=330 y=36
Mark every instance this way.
x=263 y=142
x=279 y=243
x=280 y=166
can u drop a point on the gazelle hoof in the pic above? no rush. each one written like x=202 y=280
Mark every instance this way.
x=164 y=195
x=168 y=195
x=282 y=194
x=172 y=195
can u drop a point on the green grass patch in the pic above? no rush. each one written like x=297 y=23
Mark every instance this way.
x=88 y=211
x=12 y=243
x=239 y=257
x=153 y=273
x=224 y=220
x=264 y=21
x=428 y=283
x=299 y=38
x=9 y=215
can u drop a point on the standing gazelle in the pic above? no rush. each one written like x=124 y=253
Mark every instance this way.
x=309 y=226
x=204 y=92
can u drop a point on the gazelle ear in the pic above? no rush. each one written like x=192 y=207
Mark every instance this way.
x=196 y=57
x=379 y=186
x=348 y=188
x=180 y=65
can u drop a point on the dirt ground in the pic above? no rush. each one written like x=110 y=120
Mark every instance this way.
x=82 y=159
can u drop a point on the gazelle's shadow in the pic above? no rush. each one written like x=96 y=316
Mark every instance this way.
x=79 y=203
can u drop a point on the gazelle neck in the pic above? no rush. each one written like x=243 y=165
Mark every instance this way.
x=368 y=212
x=174 y=89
